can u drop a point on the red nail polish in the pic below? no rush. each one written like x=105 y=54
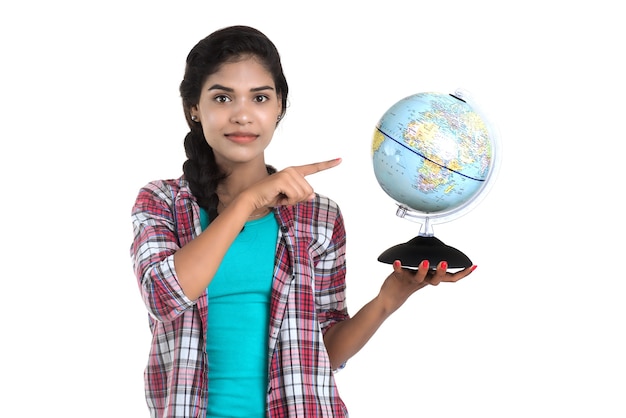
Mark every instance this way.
x=425 y=264
x=473 y=267
x=444 y=265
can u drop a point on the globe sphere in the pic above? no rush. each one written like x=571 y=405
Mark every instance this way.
x=434 y=154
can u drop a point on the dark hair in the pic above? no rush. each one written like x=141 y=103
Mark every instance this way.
x=222 y=46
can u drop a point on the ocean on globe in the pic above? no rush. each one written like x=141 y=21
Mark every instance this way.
x=433 y=154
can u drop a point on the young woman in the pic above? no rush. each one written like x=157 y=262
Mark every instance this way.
x=241 y=267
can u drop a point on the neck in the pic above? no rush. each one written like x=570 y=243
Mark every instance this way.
x=239 y=179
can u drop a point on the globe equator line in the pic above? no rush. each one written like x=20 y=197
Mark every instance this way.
x=426 y=158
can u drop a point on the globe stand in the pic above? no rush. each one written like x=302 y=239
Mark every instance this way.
x=424 y=247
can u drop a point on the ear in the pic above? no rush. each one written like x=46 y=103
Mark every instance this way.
x=193 y=110
x=280 y=107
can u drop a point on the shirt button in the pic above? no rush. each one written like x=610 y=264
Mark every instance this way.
x=284 y=229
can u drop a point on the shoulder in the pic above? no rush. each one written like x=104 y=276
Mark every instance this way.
x=165 y=187
x=326 y=204
x=319 y=211
x=165 y=192
x=320 y=221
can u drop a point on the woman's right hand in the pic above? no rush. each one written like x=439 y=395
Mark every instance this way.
x=287 y=187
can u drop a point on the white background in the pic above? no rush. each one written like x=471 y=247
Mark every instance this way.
x=90 y=112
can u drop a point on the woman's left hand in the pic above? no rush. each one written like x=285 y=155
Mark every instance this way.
x=403 y=282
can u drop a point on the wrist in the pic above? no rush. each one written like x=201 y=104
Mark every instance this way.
x=245 y=203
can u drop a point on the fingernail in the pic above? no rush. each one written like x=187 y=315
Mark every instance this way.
x=444 y=265
x=397 y=263
x=473 y=267
x=424 y=264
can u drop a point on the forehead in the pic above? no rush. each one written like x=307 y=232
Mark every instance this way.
x=242 y=72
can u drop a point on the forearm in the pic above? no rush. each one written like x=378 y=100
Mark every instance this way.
x=197 y=262
x=346 y=338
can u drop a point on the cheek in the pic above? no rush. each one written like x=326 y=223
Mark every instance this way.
x=212 y=122
x=210 y=132
x=269 y=118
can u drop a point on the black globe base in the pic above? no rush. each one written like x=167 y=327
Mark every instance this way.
x=420 y=248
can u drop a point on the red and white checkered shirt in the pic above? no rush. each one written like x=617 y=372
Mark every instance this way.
x=308 y=296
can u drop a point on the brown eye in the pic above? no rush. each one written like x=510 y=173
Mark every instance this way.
x=221 y=98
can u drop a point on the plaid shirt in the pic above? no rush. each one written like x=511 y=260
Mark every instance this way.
x=308 y=296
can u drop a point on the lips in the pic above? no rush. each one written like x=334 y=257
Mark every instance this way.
x=241 y=137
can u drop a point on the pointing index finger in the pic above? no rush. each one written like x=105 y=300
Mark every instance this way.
x=313 y=168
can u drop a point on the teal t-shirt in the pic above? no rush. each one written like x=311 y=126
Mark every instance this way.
x=238 y=321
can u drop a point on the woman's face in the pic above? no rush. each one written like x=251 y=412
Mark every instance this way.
x=238 y=110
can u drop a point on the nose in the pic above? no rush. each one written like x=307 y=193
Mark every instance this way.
x=241 y=113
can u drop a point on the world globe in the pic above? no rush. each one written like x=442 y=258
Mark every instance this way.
x=436 y=155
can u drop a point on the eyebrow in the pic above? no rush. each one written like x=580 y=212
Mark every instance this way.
x=230 y=90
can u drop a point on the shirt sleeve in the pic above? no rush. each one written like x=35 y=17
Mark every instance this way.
x=330 y=268
x=152 y=252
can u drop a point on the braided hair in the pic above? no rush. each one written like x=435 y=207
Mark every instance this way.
x=205 y=58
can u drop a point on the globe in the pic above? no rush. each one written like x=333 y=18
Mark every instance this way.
x=436 y=155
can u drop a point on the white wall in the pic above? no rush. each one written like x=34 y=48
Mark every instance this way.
x=91 y=112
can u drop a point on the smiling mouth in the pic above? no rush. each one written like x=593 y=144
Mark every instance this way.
x=241 y=138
